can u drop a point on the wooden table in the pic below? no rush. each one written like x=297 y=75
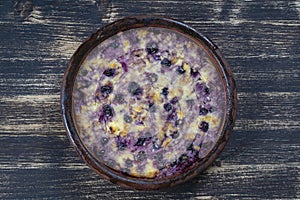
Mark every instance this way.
x=261 y=41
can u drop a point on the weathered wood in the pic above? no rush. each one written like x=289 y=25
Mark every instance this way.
x=261 y=41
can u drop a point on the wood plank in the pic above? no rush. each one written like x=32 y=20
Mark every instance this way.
x=250 y=159
x=260 y=39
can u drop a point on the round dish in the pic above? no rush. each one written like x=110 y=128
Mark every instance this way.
x=148 y=102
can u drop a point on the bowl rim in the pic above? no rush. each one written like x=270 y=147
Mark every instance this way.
x=137 y=22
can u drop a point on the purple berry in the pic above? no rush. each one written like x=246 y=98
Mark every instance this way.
x=101 y=153
x=165 y=63
x=109 y=72
x=182 y=159
x=106 y=90
x=137 y=52
x=132 y=86
x=108 y=111
x=128 y=163
x=200 y=87
x=152 y=107
x=173 y=115
x=206 y=91
x=122 y=146
x=115 y=45
x=121 y=143
x=143 y=140
x=127 y=118
x=137 y=92
x=178 y=122
x=174 y=100
x=104 y=140
x=158 y=156
x=148 y=135
x=190 y=147
x=204 y=126
x=139 y=123
x=180 y=70
x=111 y=163
x=152 y=48
x=168 y=107
x=203 y=111
x=152 y=77
x=156 y=57
x=194 y=73
x=165 y=91
x=134 y=89
x=156 y=144
x=119 y=98
x=140 y=142
x=190 y=102
x=141 y=156
x=175 y=134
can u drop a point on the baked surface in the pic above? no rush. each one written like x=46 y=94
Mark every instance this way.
x=149 y=102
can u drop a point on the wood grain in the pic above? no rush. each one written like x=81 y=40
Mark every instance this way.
x=261 y=41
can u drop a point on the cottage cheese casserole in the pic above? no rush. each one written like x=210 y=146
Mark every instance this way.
x=149 y=102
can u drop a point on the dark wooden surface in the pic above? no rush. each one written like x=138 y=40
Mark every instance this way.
x=261 y=41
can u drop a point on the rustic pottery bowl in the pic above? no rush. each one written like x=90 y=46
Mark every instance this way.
x=148 y=102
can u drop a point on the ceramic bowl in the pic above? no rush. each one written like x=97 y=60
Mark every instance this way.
x=174 y=42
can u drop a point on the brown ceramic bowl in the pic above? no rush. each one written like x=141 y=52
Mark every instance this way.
x=191 y=59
